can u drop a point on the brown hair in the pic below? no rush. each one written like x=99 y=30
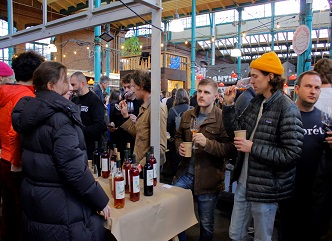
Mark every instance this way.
x=181 y=96
x=209 y=81
x=126 y=79
x=142 y=78
x=310 y=72
x=49 y=71
x=277 y=82
x=324 y=68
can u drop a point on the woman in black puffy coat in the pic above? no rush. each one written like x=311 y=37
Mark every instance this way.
x=60 y=197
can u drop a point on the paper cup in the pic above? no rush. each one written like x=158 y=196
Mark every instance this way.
x=188 y=146
x=240 y=133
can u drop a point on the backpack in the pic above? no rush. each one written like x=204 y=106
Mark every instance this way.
x=178 y=117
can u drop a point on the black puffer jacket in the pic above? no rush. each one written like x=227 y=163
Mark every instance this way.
x=277 y=145
x=59 y=194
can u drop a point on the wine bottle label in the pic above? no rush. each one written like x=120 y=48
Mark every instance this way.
x=155 y=170
x=113 y=166
x=104 y=164
x=119 y=190
x=128 y=177
x=149 y=177
x=124 y=175
x=136 y=187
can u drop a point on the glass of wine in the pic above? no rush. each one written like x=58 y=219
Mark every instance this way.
x=194 y=128
x=327 y=118
x=130 y=107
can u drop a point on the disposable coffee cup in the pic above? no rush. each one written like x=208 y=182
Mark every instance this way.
x=188 y=146
x=240 y=133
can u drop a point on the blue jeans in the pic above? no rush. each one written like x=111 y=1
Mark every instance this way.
x=262 y=213
x=206 y=206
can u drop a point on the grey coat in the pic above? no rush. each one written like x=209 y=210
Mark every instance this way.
x=277 y=145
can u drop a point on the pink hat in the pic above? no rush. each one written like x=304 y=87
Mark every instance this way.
x=5 y=70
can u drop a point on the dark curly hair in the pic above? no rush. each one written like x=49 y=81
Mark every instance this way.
x=324 y=68
x=142 y=78
x=25 y=64
x=277 y=82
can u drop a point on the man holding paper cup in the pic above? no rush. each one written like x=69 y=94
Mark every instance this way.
x=265 y=168
x=204 y=170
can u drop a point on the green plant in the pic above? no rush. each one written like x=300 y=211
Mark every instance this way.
x=131 y=46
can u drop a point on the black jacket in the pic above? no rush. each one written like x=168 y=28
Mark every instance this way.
x=59 y=194
x=277 y=145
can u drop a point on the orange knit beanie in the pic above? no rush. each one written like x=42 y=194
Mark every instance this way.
x=268 y=62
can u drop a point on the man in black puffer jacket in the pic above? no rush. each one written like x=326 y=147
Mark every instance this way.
x=265 y=169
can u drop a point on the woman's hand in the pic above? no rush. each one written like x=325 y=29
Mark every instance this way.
x=107 y=212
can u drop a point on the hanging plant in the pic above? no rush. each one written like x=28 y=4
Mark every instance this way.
x=131 y=46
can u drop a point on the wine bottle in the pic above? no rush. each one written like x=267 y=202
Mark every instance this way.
x=153 y=163
x=105 y=171
x=112 y=161
x=125 y=170
x=128 y=148
x=148 y=176
x=135 y=189
x=113 y=167
x=96 y=158
x=119 y=191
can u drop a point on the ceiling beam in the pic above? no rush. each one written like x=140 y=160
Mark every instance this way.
x=77 y=21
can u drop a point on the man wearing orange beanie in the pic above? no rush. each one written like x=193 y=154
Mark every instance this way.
x=265 y=167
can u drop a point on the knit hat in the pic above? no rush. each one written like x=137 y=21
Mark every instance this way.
x=5 y=70
x=268 y=62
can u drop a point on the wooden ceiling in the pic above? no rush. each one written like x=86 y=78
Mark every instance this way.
x=183 y=7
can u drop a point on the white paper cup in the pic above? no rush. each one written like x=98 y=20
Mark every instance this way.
x=240 y=133
x=188 y=146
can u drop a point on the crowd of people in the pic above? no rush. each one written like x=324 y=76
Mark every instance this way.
x=49 y=124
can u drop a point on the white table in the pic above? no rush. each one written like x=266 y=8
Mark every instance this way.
x=157 y=218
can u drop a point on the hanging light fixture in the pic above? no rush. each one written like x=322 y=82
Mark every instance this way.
x=52 y=48
x=278 y=25
x=236 y=52
x=176 y=24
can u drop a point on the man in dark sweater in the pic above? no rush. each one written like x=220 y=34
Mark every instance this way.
x=92 y=111
x=299 y=210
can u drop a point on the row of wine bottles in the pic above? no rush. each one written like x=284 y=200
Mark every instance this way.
x=125 y=178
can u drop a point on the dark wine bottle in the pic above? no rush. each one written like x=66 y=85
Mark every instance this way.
x=153 y=163
x=125 y=170
x=96 y=158
x=148 y=176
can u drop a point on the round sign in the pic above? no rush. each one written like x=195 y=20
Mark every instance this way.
x=301 y=39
